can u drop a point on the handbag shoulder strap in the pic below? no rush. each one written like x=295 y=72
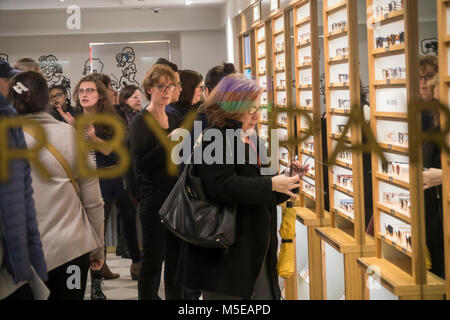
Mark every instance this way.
x=59 y=157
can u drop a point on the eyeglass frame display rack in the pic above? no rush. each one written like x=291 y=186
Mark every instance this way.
x=444 y=91
x=346 y=235
x=407 y=281
x=311 y=212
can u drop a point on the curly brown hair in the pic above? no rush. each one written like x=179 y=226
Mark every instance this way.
x=103 y=104
x=152 y=77
x=233 y=95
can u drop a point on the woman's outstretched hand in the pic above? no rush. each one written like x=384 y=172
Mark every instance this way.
x=283 y=184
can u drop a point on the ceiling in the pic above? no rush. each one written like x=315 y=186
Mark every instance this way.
x=105 y=4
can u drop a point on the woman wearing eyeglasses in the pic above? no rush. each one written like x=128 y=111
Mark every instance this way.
x=247 y=269
x=154 y=183
x=60 y=103
x=192 y=95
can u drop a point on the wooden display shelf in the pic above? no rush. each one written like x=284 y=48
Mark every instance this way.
x=337 y=7
x=311 y=176
x=392 y=147
x=399 y=282
x=248 y=66
x=343 y=242
x=304 y=65
x=338 y=60
x=390 y=50
x=337 y=34
x=303 y=130
x=282 y=125
x=259 y=41
x=308 y=195
x=339 y=85
x=278 y=52
x=280 y=88
x=341 y=188
x=308 y=109
x=284 y=163
x=391 y=115
x=388 y=17
x=304 y=44
x=394 y=212
x=344 y=164
x=307 y=152
x=303 y=22
x=280 y=70
x=309 y=218
x=390 y=82
x=266 y=122
x=343 y=215
x=277 y=33
x=394 y=245
x=340 y=111
x=392 y=180
x=337 y=136
x=262 y=57
x=305 y=87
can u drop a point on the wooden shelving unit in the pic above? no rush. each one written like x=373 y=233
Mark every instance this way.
x=347 y=231
x=311 y=212
x=397 y=186
x=263 y=72
x=444 y=45
x=282 y=83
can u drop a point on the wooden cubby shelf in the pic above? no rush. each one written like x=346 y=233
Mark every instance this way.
x=401 y=283
x=343 y=242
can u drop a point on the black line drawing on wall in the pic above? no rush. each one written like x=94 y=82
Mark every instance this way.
x=53 y=71
x=97 y=66
x=4 y=57
x=429 y=46
x=125 y=60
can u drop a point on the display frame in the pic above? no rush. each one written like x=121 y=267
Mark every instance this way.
x=346 y=233
x=400 y=260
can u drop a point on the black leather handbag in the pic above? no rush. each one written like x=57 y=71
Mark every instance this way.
x=191 y=216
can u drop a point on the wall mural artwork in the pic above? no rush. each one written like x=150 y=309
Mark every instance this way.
x=97 y=66
x=4 y=57
x=429 y=46
x=125 y=60
x=53 y=71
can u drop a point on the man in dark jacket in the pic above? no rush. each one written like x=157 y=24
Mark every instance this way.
x=21 y=255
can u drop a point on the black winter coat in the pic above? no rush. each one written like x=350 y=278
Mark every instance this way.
x=233 y=271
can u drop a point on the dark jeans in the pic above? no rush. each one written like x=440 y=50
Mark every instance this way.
x=159 y=245
x=127 y=218
x=23 y=293
x=60 y=278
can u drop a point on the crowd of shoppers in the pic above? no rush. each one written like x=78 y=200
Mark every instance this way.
x=49 y=225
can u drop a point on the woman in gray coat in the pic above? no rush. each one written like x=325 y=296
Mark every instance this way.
x=70 y=223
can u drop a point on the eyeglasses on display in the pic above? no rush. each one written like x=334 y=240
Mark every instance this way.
x=390 y=7
x=397 y=137
x=394 y=73
x=345 y=180
x=396 y=168
x=338 y=25
x=347 y=205
x=390 y=40
x=344 y=103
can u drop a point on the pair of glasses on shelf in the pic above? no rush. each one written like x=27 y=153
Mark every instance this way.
x=397 y=137
x=399 y=234
x=397 y=168
x=309 y=188
x=393 y=39
x=283 y=119
x=306 y=59
x=308 y=102
x=390 y=7
x=344 y=103
x=279 y=46
x=394 y=73
x=282 y=102
x=280 y=65
x=308 y=146
x=343 y=77
x=302 y=37
x=345 y=179
x=402 y=200
x=346 y=155
x=341 y=52
x=338 y=25
x=347 y=205
x=341 y=128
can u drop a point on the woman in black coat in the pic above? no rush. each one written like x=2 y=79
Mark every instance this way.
x=247 y=269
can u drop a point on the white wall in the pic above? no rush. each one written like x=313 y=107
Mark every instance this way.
x=202 y=50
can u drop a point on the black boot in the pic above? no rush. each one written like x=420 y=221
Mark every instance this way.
x=96 y=286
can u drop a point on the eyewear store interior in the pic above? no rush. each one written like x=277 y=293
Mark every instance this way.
x=321 y=61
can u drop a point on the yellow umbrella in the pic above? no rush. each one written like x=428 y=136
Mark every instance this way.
x=286 y=258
